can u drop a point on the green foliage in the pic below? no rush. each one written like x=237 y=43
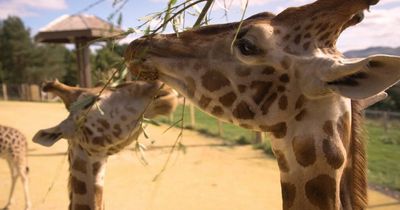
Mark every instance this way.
x=47 y=63
x=23 y=61
x=71 y=68
x=209 y=126
x=383 y=156
x=16 y=49
x=392 y=103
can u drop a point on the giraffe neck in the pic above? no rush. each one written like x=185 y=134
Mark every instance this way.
x=86 y=180
x=312 y=157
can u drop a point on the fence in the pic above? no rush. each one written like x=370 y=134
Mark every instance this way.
x=384 y=119
x=24 y=92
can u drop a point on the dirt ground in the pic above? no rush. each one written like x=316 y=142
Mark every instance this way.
x=210 y=176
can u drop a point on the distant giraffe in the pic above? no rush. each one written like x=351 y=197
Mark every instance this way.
x=14 y=148
x=284 y=75
x=104 y=131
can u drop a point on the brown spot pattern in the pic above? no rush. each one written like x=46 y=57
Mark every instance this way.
x=262 y=88
x=304 y=150
x=98 y=141
x=332 y=153
x=117 y=130
x=79 y=165
x=191 y=86
x=321 y=192
x=268 y=70
x=103 y=123
x=297 y=39
x=343 y=128
x=300 y=102
x=284 y=78
x=301 y=115
x=328 y=128
x=278 y=130
x=87 y=131
x=243 y=111
x=217 y=111
x=283 y=102
x=288 y=194
x=204 y=101
x=96 y=167
x=78 y=187
x=242 y=88
x=281 y=159
x=267 y=104
x=81 y=207
x=246 y=126
x=228 y=99
x=214 y=80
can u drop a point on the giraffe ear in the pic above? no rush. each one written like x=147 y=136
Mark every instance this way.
x=47 y=137
x=363 y=78
x=365 y=103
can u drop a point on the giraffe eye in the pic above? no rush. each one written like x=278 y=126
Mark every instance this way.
x=247 y=48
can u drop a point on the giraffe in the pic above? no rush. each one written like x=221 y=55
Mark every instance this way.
x=14 y=148
x=104 y=132
x=283 y=74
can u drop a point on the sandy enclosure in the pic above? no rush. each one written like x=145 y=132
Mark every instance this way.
x=210 y=176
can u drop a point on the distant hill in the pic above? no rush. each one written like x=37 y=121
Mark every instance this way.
x=371 y=51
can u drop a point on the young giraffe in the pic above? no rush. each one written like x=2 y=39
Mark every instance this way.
x=105 y=131
x=14 y=148
x=283 y=75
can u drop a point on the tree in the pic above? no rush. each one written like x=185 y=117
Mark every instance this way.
x=16 y=49
x=71 y=68
x=47 y=63
x=106 y=60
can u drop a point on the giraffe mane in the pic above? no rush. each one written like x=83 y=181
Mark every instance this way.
x=358 y=159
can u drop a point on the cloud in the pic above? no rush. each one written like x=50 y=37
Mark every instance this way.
x=25 y=8
x=380 y=28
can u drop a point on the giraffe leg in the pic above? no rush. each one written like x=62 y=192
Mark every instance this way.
x=24 y=170
x=14 y=176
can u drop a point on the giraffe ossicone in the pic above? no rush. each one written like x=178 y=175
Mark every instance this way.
x=96 y=131
x=284 y=76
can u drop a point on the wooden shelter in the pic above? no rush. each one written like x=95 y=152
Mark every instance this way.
x=79 y=29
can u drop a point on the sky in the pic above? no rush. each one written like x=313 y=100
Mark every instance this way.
x=381 y=26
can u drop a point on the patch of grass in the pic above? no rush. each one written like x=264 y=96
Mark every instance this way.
x=383 y=148
x=208 y=125
x=383 y=156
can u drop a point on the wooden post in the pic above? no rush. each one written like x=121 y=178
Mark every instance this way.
x=258 y=139
x=192 y=115
x=385 y=121
x=83 y=58
x=5 y=94
x=220 y=128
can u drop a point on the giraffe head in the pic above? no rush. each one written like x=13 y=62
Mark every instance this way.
x=283 y=74
x=113 y=119
x=272 y=59
x=100 y=126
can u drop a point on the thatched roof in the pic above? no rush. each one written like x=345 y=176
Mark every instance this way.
x=68 y=28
